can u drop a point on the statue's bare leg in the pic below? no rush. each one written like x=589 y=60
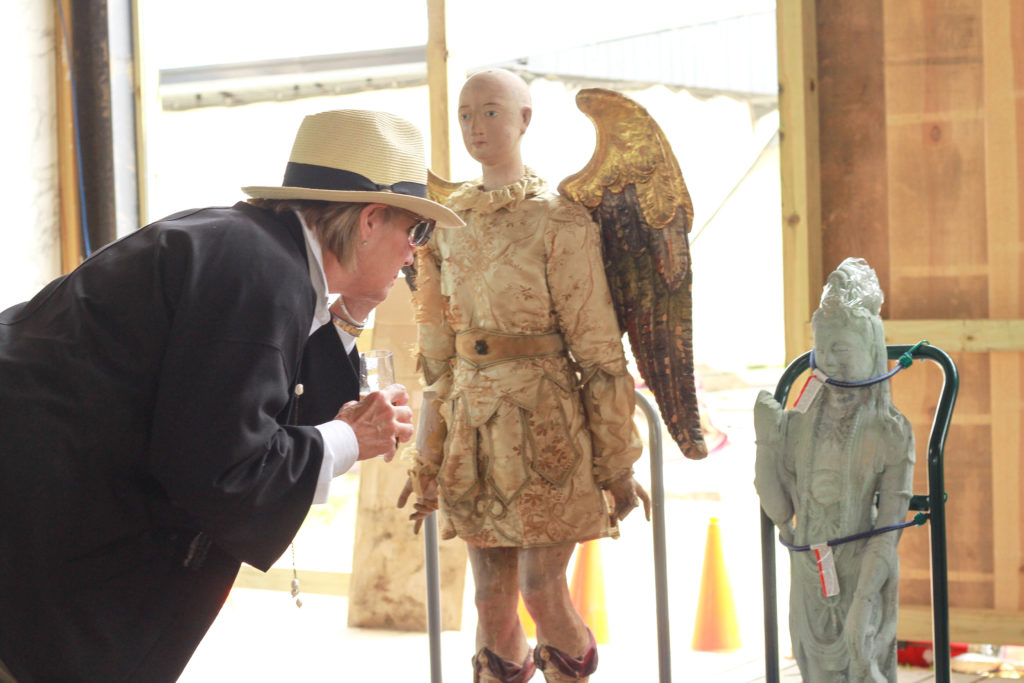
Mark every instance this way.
x=546 y=595
x=565 y=647
x=499 y=633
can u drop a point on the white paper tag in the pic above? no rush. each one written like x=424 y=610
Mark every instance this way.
x=810 y=392
x=826 y=569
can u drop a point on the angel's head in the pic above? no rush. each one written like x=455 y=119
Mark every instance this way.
x=494 y=112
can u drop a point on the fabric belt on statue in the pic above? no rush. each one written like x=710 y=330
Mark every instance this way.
x=483 y=347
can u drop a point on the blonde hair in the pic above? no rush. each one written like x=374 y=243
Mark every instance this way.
x=335 y=224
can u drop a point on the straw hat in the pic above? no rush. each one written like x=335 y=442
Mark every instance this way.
x=359 y=156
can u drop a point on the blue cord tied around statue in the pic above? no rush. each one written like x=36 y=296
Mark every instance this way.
x=905 y=361
x=919 y=519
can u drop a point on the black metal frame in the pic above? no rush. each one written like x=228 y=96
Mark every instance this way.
x=934 y=502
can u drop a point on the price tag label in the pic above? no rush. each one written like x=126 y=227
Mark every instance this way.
x=812 y=387
x=826 y=569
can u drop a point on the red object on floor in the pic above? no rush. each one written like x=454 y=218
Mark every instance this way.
x=919 y=653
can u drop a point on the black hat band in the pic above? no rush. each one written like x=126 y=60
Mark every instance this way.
x=312 y=176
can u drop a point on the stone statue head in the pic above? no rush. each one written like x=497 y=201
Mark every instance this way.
x=849 y=340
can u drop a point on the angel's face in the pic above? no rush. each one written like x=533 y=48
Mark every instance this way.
x=493 y=118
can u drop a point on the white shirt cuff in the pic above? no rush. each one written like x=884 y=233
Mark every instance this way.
x=341 y=450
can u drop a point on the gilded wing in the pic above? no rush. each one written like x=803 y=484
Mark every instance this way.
x=635 y=192
x=438 y=190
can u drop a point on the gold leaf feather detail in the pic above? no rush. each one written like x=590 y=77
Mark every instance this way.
x=631 y=149
x=635 y=192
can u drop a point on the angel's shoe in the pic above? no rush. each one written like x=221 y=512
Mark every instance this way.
x=558 y=666
x=490 y=668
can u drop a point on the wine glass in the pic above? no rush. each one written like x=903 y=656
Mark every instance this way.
x=376 y=371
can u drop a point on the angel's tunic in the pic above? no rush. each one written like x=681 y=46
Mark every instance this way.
x=530 y=438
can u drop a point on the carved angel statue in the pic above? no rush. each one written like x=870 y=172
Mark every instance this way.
x=634 y=190
x=526 y=438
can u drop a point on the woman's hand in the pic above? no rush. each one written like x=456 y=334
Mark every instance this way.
x=380 y=421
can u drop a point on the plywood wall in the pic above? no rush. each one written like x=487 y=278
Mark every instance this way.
x=917 y=117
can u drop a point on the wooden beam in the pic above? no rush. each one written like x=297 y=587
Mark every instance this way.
x=444 y=79
x=1002 y=174
x=998 y=627
x=67 y=150
x=800 y=169
x=851 y=98
x=976 y=335
x=146 y=96
x=1004 y=299
x=389 y=578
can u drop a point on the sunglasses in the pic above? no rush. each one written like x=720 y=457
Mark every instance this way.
x=420 y=232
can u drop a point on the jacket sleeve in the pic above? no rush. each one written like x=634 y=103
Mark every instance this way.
x=219 y=445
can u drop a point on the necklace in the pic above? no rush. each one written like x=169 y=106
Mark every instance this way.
x=350 y=318
x=346 y=322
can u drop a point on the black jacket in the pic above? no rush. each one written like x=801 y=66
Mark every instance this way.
x=145 y=448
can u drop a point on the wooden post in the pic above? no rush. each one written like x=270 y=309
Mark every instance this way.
x=852 y=130
x=800 y=169
x=67 y=150
x=1002 y=181
x=444 y=79
x=946 y=205
x=387 y=589
x=146 y=80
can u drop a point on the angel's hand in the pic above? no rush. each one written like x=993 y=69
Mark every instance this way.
x=627 y=494
x=426 y=501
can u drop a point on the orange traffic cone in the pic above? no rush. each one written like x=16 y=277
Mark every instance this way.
x=716 y=628
x=587 y=589
x=527 y=621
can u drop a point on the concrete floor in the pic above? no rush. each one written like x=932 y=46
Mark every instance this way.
x=261 y=636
